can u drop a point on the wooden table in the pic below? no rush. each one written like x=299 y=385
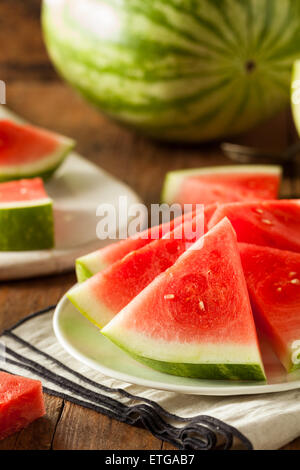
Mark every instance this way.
x=35 y=91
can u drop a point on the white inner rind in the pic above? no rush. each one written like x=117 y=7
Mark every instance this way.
x=23 y=204
x=174 y=179
x=93 y=262
x=180 y=352
x=90 y=306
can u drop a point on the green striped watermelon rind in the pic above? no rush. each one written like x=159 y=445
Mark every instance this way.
x=27 y=227
x=174 y=179
x=209 y=371
x=178 y=70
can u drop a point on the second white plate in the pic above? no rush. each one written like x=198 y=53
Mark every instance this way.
x=78 y=188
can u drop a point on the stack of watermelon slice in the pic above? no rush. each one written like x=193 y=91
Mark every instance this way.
x=27 y=154
x=185 y=309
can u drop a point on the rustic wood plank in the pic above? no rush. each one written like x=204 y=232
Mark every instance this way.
x=168 y=446
x=20 y=298
x=20 y=35
x=39 y=434
x=295 y=445
x=83 y=429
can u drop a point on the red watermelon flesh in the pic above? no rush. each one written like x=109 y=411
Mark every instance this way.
x=195 y=318
x=106 y=293
x=273 y=279
x=91 y=264
x=29 y=151
x=22 y=190
x=222 y=184
x=21 y=402
x=209 y=211
x=195 y=190
x=23 y=143
x=268 y=223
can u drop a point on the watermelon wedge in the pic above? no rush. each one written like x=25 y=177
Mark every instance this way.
x=27 y=151
x=273 y=279
x=195 y=319
x=26 y=216
x=222 y=184
x=21 y=402
x=268 y=223
x=93 y=263
x=105 y=294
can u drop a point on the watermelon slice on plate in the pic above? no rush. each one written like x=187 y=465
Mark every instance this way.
x=93 y=263
x=106 y=293
x=268 y=223
x=27 y=151
x=21 y=403
x=195 y=319
x=26 y=216
x=273 y=279
x=222 y=184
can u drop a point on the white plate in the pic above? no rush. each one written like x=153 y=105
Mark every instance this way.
x=77 y=189
x=83 y=341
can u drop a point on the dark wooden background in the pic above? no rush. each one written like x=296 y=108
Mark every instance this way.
x=37 y=93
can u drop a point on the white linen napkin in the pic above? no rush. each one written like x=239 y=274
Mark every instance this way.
x=266 y=421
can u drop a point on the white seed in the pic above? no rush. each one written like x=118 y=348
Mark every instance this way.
x=201 y=305
x=259 y=211
x=266 y=221
x=169 y=296
x=296 y=282
x=279 y=289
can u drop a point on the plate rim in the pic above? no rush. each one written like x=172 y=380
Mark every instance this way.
x=236 y=390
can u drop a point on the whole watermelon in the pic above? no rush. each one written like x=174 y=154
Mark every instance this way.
x=182 y=70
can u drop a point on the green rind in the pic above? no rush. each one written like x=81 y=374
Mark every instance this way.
x=164 y=196
x=82 y=271
x=27 y=228
x=237 y=372
x=294 y=368
x=178 y=70
x=295 y=105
